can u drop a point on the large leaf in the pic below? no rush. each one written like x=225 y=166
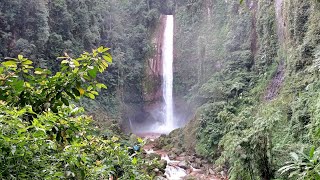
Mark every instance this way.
x=27 y=62
x=311 y=153
x=107 y=58
x=76 y=63
x=70 y=94
x=100 y=85
x=65 y=101
x=93 y=72
x=10 y=64
x=91 y=96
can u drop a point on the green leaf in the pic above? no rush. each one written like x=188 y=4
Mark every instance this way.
x=18 y=85
x=94 y=93
x=10 y=64
x=54 y=109
x=59 y=95
x=38 y=71
x=76 y=63
x=91 y=96
x=105 y=64
x=140 y=140
x=39 y=133
x=26 y=84
x=311 y=153
x=20 y=57
x=1 y=70
x=3 y=96
x=134 y=160
x=27 y=62
x=76 y=70
x=100 y=85
x=107 y=57
x=70 y=94
x=65 y=101
x=89 y=88
x=100 y=49
x=93 y=72
x=64 y=62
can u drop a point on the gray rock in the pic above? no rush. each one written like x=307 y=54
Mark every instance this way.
x=195 y=165
x=153 y=156
x=204 y=161
x=211 y=171
x=183 y=154
x=189 y=177
x=172 y=156
x=191 y=158
x=183 y=164
x=198 y=161
x=162 y=164
x=160 y=178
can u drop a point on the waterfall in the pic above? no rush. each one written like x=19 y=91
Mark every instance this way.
x=167 y=81
x=161 y=115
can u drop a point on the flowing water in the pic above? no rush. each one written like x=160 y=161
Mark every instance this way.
x=173 y=172
x=166 y=111
x=167 y=82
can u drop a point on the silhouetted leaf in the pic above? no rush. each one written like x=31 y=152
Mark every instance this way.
x=70 y=94
x=76 y=91
x=65 y=101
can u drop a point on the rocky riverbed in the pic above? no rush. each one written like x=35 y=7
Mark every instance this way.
x=180 y=165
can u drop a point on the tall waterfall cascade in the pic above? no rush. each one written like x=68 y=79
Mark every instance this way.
x=162 y=114
x=167 y=81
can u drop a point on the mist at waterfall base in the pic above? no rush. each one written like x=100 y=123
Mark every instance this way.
x=163 y=118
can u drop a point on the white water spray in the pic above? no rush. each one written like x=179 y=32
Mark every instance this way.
x=167 y=82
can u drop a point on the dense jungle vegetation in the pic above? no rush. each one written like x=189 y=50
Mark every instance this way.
x=45 y=136
x=249 y=68
x=45 y=133
x=43 y=30
x=256 y=86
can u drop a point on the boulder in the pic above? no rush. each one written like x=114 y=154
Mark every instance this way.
x=172 y=156
x=162 y=165
x=211 y=171
x=198 y=161
x=195 y=165
x=189 y=177
x=160 y=178
x=183 y=154
x=183 y=164
x=153 y=156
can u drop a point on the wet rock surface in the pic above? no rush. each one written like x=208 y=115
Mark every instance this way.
x=179 y=165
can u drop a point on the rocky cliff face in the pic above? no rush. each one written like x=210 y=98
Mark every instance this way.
x=150 y=110
x=153 y=67
x=248 y=67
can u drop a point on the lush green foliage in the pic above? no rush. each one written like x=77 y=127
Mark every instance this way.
x=22 y=84
x=44 y=136
x=237 y=53
x=303 y=166
x=60 y=146
x=44 y=30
